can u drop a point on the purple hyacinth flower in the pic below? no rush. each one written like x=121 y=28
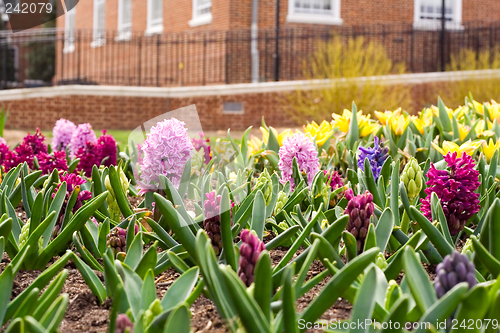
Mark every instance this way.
x=62 y=134
x=302 y=148
x=166 y=151
x=454 y=269
x=376 y=156
x=360 y=210
x=83 y=134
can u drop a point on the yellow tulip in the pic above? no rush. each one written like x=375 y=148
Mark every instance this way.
x=386 y=116
x=463 y=131
x=490 y=148
x=370 y=127
x=419 y=123
x=320 y=132
x=343 y=122
x=468 y=147
x=399 y=124
x=254 y=145
x=480 y=132
x=281 y=136
x=478 y=106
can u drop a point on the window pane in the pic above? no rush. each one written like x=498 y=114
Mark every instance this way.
x=203 y=7
x=432 y=9
x=127 y=17
x=157 y=9
x=313 y=6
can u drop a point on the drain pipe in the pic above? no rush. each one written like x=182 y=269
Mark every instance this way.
x=254 y=46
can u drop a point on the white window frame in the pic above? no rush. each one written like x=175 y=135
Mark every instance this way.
x=153 y=27
x=315 y=18
x=434 y=24
x=99 y=40
x=124 y=29
x=69 y=42
x=200 y=19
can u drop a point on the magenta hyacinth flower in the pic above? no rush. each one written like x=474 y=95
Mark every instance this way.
x=333 y=179
x=166 y=151
x=35 y=142
x=62 y=134
x=455 y=187
x=211 y=222
x=107 y=147
x=82 y=134
x=202 y=143
x=72 y=180
x=4 y=152
x=250 y=250
x=360 y=209
x=376 y=156
x=124 y=324
x=302 y=148
x=89 y=156
x=56 y=160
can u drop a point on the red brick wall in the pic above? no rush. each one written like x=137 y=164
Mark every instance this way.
x=236 y=14
x=119 y=112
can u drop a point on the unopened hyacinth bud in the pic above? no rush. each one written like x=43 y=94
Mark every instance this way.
x=25 y=233
x=394 y=292
x=250 y=249
x=468 y=249
x=360 y=209
x=284 y=226
x=211 y=224
x=280 y=202
x=454 y=269
x=412 y=178
x=123 y=324
x=267 y=189
x=113 y=208
x=381 y=262
x=117 y=239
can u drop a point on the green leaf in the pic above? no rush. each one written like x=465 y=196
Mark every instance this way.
x=259 y=214
x=249 y=311
x=91 y=279
x=263 y=283
x=148 y=291
x=225 y=228
x=50 y=295
x=148 y=261
x=384 y=227
x=180 y=289
x=177 y=224
x=494 y=229
x=132 y=284
x=337 y=285
x=177 y=262
x=490 y=262
x=55 y=313
x=371 y=185
x=479 y=298
x=442 y=246
x=120 y=196
x=76 y=223
x=418 y=280
x=178 y=321
x=397 y=315
x=364 y=303
x=444 y=308
x=351 y=245
x=55 y=206
x=6 y=282
x=282 y=237
x=353 y=134
x=134 y=253
x=289 y=319
x=443 y=116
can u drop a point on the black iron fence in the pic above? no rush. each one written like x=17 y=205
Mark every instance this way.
x=46 y=57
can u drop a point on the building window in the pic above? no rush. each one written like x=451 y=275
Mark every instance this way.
x=99 y=23
x=69 y=26
x=428 y=14
x=202 y=12
x=155 y=17
x=314 y=11
x=124 y=19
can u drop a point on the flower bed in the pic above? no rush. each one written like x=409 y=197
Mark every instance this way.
x=393 y=220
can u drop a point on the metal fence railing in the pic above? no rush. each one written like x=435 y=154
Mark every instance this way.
x=51 y=57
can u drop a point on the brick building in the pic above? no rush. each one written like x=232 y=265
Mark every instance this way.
x=200 y=42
